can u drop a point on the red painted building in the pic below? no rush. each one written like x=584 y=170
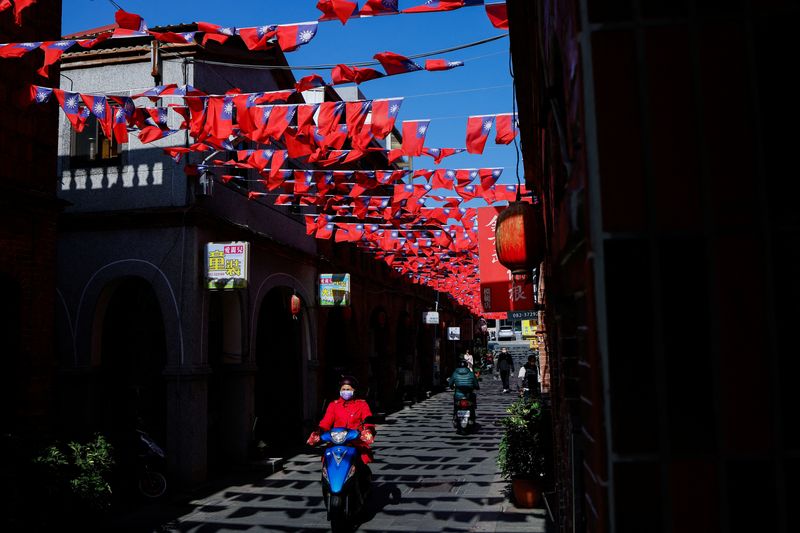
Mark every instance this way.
x=654 y=134
x=28 y=214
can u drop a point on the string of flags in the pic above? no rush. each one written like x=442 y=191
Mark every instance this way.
x=315 y=131
x=288 y=37
x=415 y=221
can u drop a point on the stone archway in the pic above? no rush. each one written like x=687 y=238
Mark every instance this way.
x=129 y=388
x=279 y=386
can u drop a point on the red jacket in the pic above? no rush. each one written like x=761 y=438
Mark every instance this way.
x=350 y=414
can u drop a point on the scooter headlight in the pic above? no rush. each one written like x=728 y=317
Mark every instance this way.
x=338 y=437
x=351 y=472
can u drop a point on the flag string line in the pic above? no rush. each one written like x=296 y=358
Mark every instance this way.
x=330 y=66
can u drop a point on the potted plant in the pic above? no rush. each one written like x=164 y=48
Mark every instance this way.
x=524 y=454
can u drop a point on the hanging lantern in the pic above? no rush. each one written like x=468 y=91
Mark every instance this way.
x=519 y=239
x=295 y=303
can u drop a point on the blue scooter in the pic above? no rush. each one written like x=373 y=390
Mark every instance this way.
x=345 y=484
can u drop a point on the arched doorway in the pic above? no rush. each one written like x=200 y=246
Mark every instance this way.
x=225 y=349
x=130 y=388
x=279 y=380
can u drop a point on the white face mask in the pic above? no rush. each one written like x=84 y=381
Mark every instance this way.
x=346 y=394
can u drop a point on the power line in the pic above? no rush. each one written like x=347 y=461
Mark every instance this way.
x=356 y=64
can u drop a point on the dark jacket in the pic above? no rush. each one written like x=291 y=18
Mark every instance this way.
x=464 y=381
x=505 y=362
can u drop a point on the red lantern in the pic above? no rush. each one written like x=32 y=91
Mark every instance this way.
x=295 y=304
x=519 y=239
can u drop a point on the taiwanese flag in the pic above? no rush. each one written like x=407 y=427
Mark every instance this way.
x=183 y=90
x=379 y=7
x=402 y=193
x=277 y=161
x=414 y=132
x=154 y=133
x=18 y=49
x=172 y=37
x=478 y=128
x=215 y=32
x=245 y=119
x=293 y=36
x=302 y=182
x=279 y=120
x=345 y=74
x=39 y=95
x=488 y=194
x=154 y=93
x=465 y=176
x=395 y=63
x=506 y=128
x=311 y=224
x=273 y=97
x=329 y=115
x=422 y=173
x=498 y=15
x=296 y=145
x=129 y=24
x=505 y=193
x=469 y=192
x=99 y=107
x=256 y=38
x=324 y=227
x=120 y=125
x=384 y=114
x=219 y=117
x=52 y=53
x=440 y=153
x=434 y=65
x=356 y=115
x=305 y=116
x=442 y=5
x=443 y=179
x=489 y=176
x=91 y=43
x=70 y=103
x=335 y=140
x=19 y=6
x=311 y=81
x=338 y=9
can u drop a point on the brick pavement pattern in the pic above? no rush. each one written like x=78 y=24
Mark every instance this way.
x=426 y=478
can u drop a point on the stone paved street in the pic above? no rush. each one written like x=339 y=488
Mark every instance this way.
x=426 y=478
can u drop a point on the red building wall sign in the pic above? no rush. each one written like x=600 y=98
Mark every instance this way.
x=498 y=292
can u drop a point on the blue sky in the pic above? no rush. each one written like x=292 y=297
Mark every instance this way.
x=486 y=66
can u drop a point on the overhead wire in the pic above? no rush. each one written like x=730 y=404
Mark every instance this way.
x=331 y=66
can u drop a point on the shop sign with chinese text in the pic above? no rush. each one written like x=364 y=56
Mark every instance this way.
x=334 y=290
x=227 y=264
x=498 y=291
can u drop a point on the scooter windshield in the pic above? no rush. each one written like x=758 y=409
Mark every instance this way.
x=339 y=435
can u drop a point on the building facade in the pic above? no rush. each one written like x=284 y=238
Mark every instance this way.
x=28 y=214
x=652 y=132
x=210 y=374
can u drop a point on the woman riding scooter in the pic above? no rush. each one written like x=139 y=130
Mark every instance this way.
x=351 y=413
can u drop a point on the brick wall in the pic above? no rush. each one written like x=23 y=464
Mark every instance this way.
x=28 y=216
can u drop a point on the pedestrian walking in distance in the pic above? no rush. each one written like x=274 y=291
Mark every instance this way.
x=505 y=364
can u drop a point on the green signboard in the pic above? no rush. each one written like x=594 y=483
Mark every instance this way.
x=334 y=290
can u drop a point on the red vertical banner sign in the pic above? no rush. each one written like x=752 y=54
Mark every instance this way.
x=498 y=291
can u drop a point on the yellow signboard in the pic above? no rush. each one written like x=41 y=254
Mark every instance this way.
x=528 y=329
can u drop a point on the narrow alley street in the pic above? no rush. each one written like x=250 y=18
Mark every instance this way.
x=426 y=478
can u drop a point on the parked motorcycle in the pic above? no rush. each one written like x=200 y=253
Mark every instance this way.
x=345 y=485
x=464 y=417
x=150 y=465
